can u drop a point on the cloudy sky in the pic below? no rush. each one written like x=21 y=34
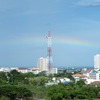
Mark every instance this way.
x=24 y=24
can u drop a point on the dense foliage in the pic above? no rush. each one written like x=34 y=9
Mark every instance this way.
x=17 y=86
x=63 y=92
x=14 y=92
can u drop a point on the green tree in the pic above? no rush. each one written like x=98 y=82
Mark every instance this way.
x=14 y=92
x=56 y=92
x=14 y=72
x=92 y=91
x=80 y=83
x=50 y=76
x=43 y=73
x=40 y=81
x=78 y=93
x=29 y=75
x=14 y=76
x=3 y=78
x=98 y=95
x=4 y=98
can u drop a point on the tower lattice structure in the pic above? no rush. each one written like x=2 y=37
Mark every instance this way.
x=49 y=53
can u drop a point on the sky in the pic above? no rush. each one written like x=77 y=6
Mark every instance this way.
x=74 y=25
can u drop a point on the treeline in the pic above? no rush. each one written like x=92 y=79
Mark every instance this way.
x=73 y=91
x=19 y=86
x=11 y=92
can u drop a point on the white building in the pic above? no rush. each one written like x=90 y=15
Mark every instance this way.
x=55 y=70
x=93 y=77
x=78 y=77
x=23 y=70
x=42 y=64
x=36 y=70
x=61 y=80
x=5 y=69
x=97 y=61
x=86 y=72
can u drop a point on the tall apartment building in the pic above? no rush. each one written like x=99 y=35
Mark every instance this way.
x=42 y=64
x=97 y=61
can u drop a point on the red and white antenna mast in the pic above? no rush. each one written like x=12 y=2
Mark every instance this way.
x=49 y=52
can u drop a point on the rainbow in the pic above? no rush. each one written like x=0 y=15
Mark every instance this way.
x=74 y=41
x=56 y=41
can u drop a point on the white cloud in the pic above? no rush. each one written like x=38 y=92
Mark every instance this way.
x=88 y=2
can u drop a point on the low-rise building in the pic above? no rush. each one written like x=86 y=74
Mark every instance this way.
x=23 y=70
x=36 y=70
x=61 y=80
x=78 y=76
x=95 y=83
x=86 y=72
x=92 y=75
x=5 y=69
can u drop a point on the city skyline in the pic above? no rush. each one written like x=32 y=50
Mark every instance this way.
x=74 y=25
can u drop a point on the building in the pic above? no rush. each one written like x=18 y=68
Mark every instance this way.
x=23 y=70
x=95 y=75
x=36 y=70
x=78 y=77
x=91 y=76
x=55 y=70
x=86 y=72
x=42 y=64
x=5 y=69
x=97 y=61
x=96 y=83
x=61 y=80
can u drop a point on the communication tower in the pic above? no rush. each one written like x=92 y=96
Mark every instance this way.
x=49 y=53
